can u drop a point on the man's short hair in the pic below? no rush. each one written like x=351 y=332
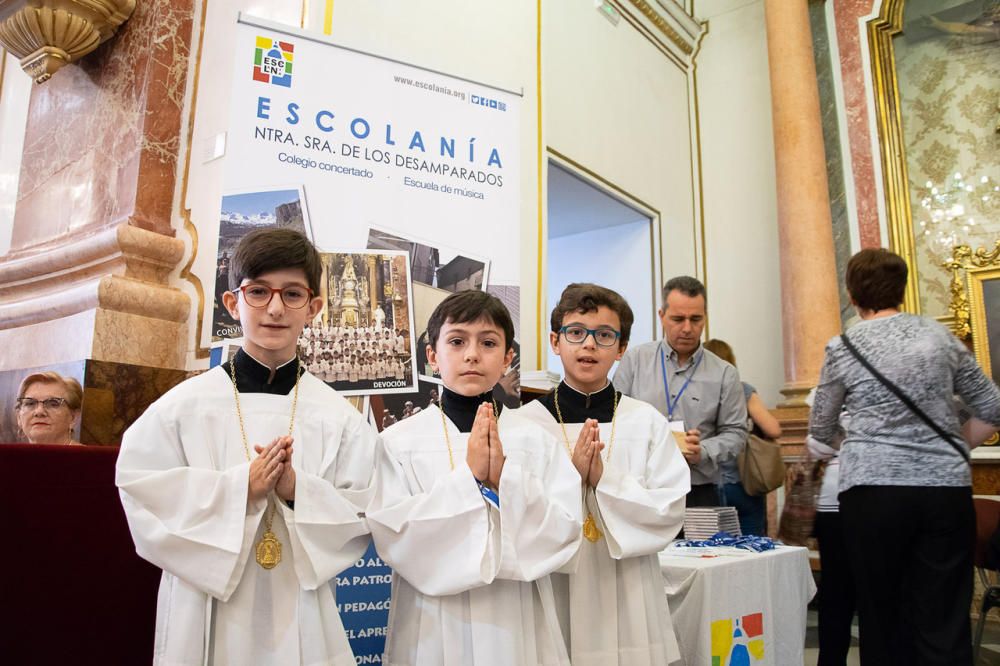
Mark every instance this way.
x=876 y=279
x=584 y=297
x=467 y=306
x=687 y=285
x=266 y=250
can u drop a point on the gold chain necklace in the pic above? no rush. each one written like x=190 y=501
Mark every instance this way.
x=590 y=529
x=268 y=550
x=447 y=440
x=444 y=425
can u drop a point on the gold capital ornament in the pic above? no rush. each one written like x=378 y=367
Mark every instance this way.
x=268 y=550
x=48 y=34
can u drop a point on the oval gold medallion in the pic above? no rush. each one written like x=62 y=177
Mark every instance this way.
x=590 y=530
x=268 y=550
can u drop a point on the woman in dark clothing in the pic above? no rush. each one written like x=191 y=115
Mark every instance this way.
x=905 y=490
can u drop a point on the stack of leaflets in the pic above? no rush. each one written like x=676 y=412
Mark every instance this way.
x=705 y=521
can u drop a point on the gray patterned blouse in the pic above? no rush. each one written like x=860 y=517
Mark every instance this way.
x=886 y=443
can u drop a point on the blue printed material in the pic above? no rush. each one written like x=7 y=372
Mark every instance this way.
x=489 y=494
x=362 y=594
x=758 y=544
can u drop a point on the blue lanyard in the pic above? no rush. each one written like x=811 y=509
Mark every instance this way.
x=490 y=496
x=671 y=406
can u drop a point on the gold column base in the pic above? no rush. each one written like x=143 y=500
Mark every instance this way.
x=795 y=395
x=104 y=297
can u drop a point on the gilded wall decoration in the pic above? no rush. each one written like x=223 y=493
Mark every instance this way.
x=48 y=34
x=948 y=69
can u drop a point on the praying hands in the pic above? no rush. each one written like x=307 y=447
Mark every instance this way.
x=484 y=453
x=587 y=453
x=272 y=470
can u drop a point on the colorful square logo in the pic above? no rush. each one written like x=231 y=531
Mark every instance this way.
x=738 y=641
x=272 y=61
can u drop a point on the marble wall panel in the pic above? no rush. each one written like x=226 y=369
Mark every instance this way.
x=832 y=145
x=853 y=46
x=46 y=214
x=116 y=394
x=131 y=338
x=102 y=138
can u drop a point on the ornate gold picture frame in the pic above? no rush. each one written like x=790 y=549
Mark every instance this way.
x=968 y=312
x=984 y=302
x=975 y=310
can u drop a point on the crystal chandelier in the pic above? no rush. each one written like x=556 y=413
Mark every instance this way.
x=952 y=213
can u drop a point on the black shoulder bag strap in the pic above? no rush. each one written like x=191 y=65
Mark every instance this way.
x=904 y=399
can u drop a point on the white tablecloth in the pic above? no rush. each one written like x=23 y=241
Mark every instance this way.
x=743 y=609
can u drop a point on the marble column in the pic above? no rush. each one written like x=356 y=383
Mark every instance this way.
x=86 y=284
x=810 y=299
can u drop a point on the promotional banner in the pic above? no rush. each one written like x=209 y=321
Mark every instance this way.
x=363 y=153
x=407 y=181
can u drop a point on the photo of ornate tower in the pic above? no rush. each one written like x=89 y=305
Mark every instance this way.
x=348 y=297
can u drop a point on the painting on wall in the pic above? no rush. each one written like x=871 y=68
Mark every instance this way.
x=947 y=59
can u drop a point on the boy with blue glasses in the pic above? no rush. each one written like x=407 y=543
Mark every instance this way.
x=633 y=479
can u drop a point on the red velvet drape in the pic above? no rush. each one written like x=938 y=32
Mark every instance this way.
x=73 y=590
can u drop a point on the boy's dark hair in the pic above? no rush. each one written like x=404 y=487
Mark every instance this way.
x=687 y=285
x=584 y=297
x=266 y=250
x=876 y=279
x=467 y=306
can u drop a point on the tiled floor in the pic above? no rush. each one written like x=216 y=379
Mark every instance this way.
x=989 y=655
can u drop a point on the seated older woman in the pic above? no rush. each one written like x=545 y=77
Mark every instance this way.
x=48 y=406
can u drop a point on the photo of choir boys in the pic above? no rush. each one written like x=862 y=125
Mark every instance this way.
x=360 y=343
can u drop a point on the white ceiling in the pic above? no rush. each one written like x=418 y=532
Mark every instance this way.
x=576 y=206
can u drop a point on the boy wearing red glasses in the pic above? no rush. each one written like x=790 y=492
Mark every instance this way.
x=633 y=480
x=248 y=528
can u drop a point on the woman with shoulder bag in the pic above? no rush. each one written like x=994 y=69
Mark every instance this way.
x=751 y=509
x=905 y=482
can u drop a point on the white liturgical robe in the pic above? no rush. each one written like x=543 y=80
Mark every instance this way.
x=611 y=604
x=183 y=478
x=462 y=590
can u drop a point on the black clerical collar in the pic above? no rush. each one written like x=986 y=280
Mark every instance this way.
x=252 y=376
x=461 y=409
x=577 y=407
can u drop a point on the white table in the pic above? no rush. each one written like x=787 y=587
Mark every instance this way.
x=727 y=607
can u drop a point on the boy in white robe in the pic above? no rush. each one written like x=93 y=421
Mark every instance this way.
x=249 y=529
x=469 y=509
x=612 y=606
